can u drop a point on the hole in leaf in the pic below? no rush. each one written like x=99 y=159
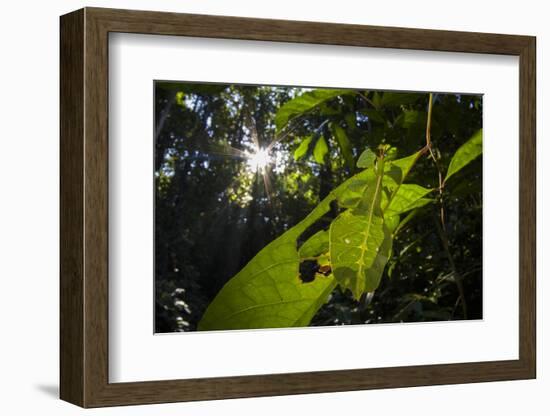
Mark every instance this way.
x=308 y=269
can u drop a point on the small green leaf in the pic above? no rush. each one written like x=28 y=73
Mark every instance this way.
x=366 y=159
x=351 y=121
x=409 y=217
x=398 y=169
x=466 y=153
x=304 y=103
x=320 y=150
x=302 y=149
x=180 y=98
x=377 y=99
x=407 y=197
x=344 y=144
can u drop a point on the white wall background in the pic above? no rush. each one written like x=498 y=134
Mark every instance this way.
x=29 y=120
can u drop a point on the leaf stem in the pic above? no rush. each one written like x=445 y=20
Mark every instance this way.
x=441 y=228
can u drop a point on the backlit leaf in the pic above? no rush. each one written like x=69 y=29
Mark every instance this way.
x=315 y=245
x=304 y=103
x=344 y=144
x=409 y=196
x=268 y=292
x=360 y=241
x=366 y=159
x=359 y=250
x=320 y=150
x=466 y=153
x=302 y=149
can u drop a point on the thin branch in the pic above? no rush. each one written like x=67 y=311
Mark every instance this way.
x=432 y=155
x=441 y=228
x=457 y=277
x=367 y=99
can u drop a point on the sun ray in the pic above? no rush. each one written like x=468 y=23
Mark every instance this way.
x=228 y=150
x=258 y=160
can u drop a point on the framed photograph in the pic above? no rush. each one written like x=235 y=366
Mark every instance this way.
x=260 y=207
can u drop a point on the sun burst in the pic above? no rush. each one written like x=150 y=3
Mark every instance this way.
x=258 y=160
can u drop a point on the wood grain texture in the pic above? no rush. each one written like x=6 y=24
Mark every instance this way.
x=527 y=207
x=71 y=213
x=84 y=207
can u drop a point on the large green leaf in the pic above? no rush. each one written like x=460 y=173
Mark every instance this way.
x=466 y=153
x=304 y=103
x=344 y=144
x=268 y=292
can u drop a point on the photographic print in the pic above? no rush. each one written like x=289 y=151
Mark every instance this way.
x=289 y=206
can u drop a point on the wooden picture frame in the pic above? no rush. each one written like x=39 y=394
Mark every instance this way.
x=84 y=207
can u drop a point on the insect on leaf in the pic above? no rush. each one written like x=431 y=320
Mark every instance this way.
x=360 y=241
x=359 y=250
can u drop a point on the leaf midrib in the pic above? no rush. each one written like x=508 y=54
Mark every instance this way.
x=367 y=233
